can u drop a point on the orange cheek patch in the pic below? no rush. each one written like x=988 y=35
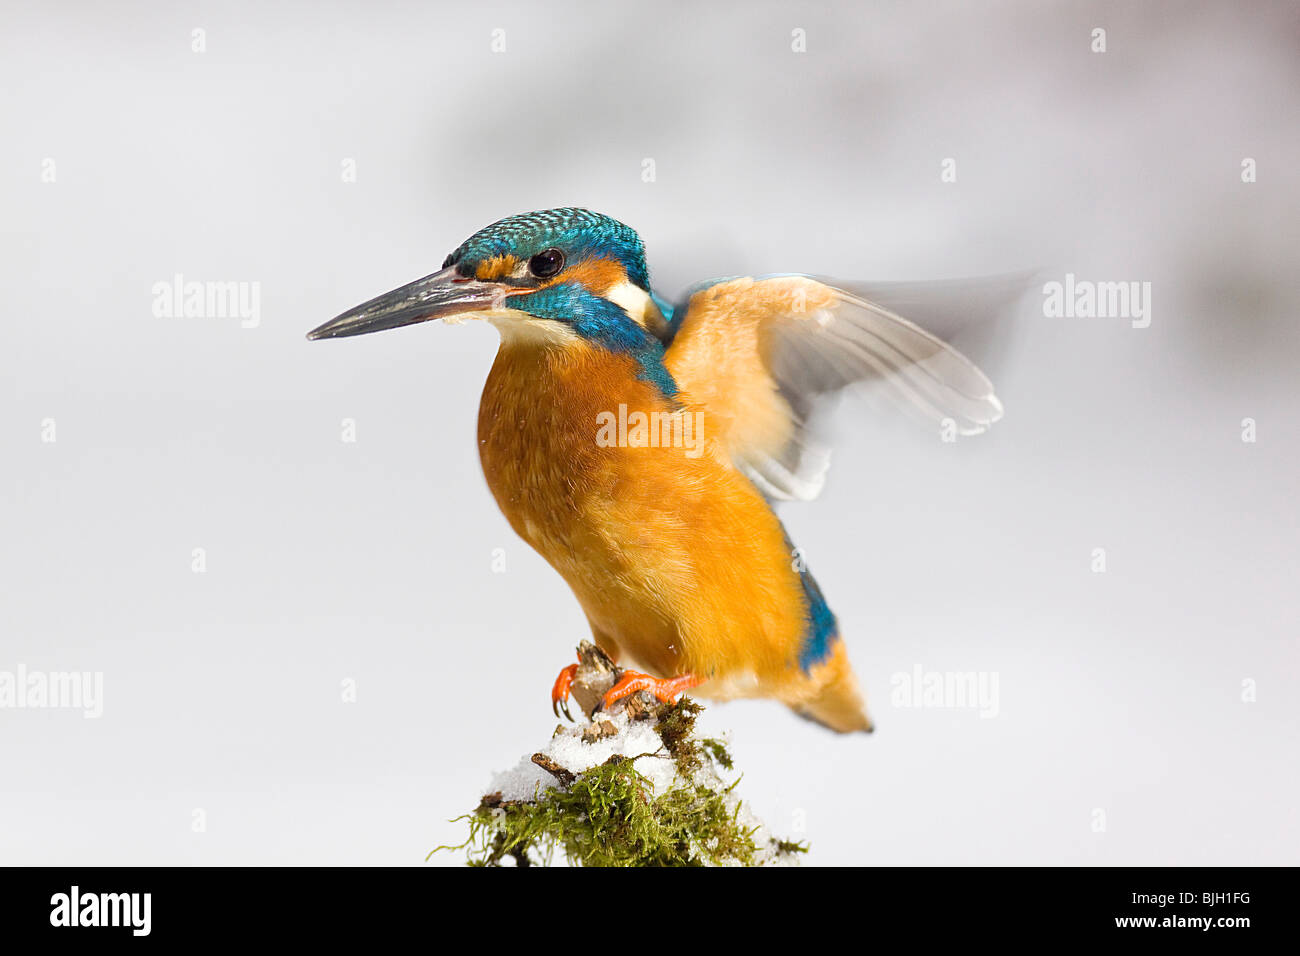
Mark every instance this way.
x=598 y=275
x=498 y=267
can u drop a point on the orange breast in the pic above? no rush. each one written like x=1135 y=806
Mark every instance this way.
x=677 y=561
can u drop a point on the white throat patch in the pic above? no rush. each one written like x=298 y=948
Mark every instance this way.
x=636 y=302
x=519 y=328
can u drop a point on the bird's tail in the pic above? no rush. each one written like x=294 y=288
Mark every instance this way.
x=835 y=701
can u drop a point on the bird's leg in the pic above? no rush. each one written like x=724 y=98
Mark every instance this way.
x=665 y=689
x=560 y=692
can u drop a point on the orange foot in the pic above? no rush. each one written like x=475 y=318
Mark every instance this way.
x=560 y=692
x=666 y=690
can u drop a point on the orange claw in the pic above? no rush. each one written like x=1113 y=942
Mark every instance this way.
x=666 y=690
x=560 y=692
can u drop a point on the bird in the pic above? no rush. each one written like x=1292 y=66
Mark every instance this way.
x=641 y=446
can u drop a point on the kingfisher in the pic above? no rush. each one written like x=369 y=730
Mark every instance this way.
x=640 y=446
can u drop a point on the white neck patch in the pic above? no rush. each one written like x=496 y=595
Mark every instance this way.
x=520 y=328
x=636 y=302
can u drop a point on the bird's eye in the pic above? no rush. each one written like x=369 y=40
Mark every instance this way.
x=546 y=263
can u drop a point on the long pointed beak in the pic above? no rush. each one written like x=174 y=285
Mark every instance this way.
x=433 y=297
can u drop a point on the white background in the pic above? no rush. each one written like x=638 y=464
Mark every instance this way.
x=326 y=561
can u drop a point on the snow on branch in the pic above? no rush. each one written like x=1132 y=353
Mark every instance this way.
x=634 y=785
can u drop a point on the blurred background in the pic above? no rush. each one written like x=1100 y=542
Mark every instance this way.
x=321 y=153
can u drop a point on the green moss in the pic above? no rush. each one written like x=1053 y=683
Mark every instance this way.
x=609 y=814
x=717 y=752
x=609 y=817
x=788 y=846
x=676 y=728
x=675 y=723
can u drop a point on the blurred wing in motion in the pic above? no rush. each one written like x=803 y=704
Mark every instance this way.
x=758 y=354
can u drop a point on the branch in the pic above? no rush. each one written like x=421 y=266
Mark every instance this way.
x=635 y=785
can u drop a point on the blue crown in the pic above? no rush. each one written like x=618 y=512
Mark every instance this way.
x=579 y=233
